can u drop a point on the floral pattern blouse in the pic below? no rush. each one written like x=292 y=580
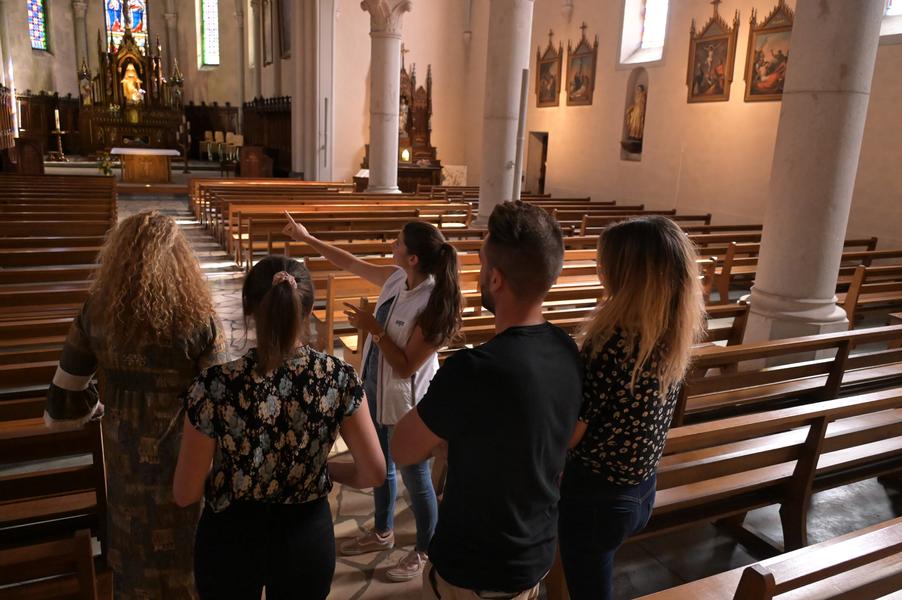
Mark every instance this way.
x=273 y=432
x=627 y=428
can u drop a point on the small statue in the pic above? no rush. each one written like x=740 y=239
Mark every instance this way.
x=635 y=114
x=131 y=86
x=402 y=117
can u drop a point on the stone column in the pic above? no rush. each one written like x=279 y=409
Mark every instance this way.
x=242 y=60
x=6 y=57
x=825 y=102
x=257 y=16
x=172 y=32
x=79 y=12
x=276 y=49
x=510 y=33
x=385 y=91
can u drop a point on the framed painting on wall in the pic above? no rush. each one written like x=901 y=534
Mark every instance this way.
x=768 y=54
x=267 y=31
x=548 y=74
x=285 y=28
x=581 y=64
x=712 y=52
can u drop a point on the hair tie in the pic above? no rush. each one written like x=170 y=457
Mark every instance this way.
x=284 y=276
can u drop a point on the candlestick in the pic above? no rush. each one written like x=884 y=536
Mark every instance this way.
x=56 y=116
x=19 y=115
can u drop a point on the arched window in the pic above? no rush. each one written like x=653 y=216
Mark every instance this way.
x=208 y=33
x=644 y=31
x=892 y=22
x=120 y=11
x=37 y=24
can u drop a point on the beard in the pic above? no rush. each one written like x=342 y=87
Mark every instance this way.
x=488 y=302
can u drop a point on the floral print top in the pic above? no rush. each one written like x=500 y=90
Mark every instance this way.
x=627 y=428
x=273 y=432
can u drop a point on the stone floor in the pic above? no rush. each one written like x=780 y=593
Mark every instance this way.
x=642 y=567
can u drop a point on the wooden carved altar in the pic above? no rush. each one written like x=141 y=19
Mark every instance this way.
x=417 y=158
x=129 y=102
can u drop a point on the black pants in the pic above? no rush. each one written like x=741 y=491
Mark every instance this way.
x=288 y=548
x=595 y=518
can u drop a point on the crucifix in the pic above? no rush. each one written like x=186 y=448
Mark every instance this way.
x=583 y=27
x=716 y=4
x=404 y=51
x=550 y=36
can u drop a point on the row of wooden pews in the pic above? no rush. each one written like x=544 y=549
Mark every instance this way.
x=52 y=483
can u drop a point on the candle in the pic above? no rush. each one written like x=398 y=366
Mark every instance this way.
x=56 y=116
x=19 y=115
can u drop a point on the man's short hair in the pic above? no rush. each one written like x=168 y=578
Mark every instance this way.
x=526 y=244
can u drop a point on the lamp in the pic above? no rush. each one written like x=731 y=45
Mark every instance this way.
x=405 y=155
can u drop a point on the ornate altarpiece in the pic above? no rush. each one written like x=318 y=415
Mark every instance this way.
x=417 y=158
x=129 y=102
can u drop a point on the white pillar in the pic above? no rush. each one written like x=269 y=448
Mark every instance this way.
x=276 y=49
x=172 y=33
x=242 y=61
x=385 y=91
x=825 y=102
x=510 y=33
x=6 y=57
x=79 y=11
x=257 y=15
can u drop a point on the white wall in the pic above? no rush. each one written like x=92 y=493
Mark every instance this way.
x=433 y=32
x=706 y=157
x=53 y=71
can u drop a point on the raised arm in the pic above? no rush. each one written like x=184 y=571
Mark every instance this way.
x=368 y=467
x=376 y=274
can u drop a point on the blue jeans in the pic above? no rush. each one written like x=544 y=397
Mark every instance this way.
x=594 y=519
x=418 y=481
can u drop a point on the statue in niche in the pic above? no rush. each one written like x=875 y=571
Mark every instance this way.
x=635 y=114
x=131 y=86
x=402 y=117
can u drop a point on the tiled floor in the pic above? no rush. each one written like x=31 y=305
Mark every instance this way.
x=641 y=568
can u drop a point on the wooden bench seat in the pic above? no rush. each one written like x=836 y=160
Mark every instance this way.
x=874 y=288
x=737 y=378
x=862 y=564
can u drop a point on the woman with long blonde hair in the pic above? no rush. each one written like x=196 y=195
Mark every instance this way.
x=147 y=329
x=636 y=350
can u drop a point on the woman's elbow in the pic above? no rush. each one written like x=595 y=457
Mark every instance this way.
x=184 y=497
x=375 y=476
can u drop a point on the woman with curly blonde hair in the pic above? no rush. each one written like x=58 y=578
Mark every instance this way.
x=147 y=329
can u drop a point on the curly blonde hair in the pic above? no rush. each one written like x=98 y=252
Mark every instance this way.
x=149 y=287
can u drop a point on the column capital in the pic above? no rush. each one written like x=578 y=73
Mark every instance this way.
x=385 y=15
x=80 y=8
x=171 y=18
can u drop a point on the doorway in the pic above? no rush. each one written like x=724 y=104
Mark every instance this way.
x=536 y=157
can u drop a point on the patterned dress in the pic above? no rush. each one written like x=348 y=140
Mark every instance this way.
x=149 y=538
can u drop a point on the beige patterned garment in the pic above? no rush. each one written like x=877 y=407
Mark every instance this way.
x=150 y=539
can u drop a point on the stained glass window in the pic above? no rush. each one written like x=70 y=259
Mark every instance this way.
x=117 y=11
x=893 y=7
x=37 y=24
x=209 y=32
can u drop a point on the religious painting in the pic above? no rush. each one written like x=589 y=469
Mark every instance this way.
x=548 y=74
x=122 y=14
x=285 y=28
x=712 y=52
x=267 y=32
x=581 y=64
x=768 y=54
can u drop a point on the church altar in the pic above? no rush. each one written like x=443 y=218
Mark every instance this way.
x=145 y=165
x=129 y=102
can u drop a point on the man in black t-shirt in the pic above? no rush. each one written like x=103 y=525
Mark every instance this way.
x=506 y=410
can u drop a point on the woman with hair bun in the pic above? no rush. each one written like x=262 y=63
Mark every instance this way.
x=258 y=431
x=636 y=349
x=418 y=312
x=147 y=329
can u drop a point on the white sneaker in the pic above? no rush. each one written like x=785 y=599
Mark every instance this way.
x=372 y=541
x=409 y=567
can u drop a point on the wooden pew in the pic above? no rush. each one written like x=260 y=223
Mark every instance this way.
x=734 y=379
x=862 y=564
x=40 y=499
x=872 y=289
x=62 y=568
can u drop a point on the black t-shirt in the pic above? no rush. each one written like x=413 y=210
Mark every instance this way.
x=507 y=409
